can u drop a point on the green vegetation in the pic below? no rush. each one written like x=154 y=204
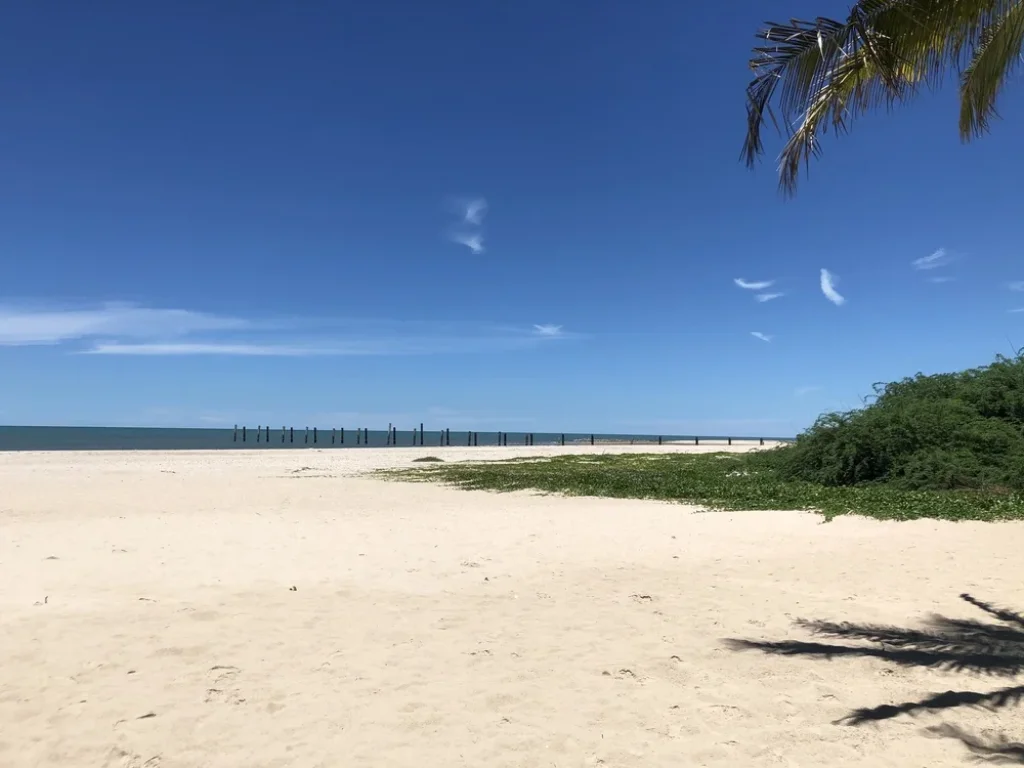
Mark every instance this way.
x=947 y=446
x=824 y=74
x=717 y=481
x=429 y=459
x=952 y=431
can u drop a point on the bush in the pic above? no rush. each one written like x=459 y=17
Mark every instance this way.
x=946 y=431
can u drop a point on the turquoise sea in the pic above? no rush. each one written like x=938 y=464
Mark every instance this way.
x=164 y=439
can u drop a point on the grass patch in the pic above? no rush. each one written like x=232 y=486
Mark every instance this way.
x=718 y=481
x=429 y=459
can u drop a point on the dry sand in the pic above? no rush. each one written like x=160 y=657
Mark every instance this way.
x=278 y=609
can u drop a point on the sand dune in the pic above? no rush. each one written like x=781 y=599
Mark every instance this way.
x=279 y=608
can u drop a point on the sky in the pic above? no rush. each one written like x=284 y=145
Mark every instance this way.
x=526 y=216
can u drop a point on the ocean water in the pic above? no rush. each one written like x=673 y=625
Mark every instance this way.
x=162 y=439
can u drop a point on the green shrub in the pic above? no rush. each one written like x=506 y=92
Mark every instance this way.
x=946 y=431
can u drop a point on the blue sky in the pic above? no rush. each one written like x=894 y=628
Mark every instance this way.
x=488 y=215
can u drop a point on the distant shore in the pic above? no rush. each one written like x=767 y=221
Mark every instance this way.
x=56 y=438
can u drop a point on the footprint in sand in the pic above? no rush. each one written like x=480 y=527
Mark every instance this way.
x=222 y=689
x=118 y=758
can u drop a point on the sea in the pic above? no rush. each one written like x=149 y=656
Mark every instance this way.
x=16 y=438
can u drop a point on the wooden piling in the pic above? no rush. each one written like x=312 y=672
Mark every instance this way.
x=591 y=439
x=447 y=436
x=366 y=435
x=476 y=439
x=291 y=434
x=341 y=436
x=243 y=434
x=314 y=435
x=284 y=433
x=259 y=432
x=234 y=437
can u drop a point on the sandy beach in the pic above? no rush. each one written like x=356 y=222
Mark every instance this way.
x=282 y=608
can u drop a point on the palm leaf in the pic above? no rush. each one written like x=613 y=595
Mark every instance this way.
x=825 y=73
x=995 y=58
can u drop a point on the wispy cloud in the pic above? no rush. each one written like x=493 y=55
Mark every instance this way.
x=25 y=326
x=215 y=348
x=469 y=231
x=933 y=261
x=1017 y=285
x=941 y=279
x=1019 y=309
x=473 y=241
x=470 y=343
x=763 y=297
x=473 y=212
x=758 y=285
x=761 y=336
x=828 y=287
x=126 y=330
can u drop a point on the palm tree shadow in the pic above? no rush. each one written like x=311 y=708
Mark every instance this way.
x=997 y=750
x=993 y=648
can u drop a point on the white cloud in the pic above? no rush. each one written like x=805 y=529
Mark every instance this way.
x=52 y=326
x=761 y=336
x=385 y=346
x=1017 y=285
x=214 y=348
x=828 y=287
x=473 y=212
x=941 y=279
x=753 y=286
x=469 y=232
x=763 y=297
x=1019 y=309
x=475 y=242
x=120 y=329
x=937 y=259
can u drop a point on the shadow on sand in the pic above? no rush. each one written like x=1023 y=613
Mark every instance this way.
x=994 y=648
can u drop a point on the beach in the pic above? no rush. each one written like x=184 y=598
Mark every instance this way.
x=287 y=608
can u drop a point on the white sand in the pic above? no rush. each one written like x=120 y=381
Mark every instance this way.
x=147 y=618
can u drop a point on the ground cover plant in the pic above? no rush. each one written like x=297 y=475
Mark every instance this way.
x=947 y=446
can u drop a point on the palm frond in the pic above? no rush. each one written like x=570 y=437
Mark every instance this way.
x=996 y=57
x=823 y=74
